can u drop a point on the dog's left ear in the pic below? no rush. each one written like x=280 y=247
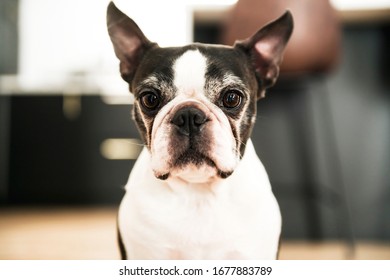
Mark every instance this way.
x=130 y=44
x=266 y=48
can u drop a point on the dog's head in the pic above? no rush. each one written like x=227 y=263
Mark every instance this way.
x=195 y=106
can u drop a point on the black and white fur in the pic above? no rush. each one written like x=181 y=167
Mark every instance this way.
x=198 y=189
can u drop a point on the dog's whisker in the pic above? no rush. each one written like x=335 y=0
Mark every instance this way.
x=138 y=144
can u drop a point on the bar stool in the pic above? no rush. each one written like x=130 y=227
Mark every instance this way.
x=312 y=53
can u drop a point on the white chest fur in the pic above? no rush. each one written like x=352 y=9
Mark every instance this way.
x=237 y=218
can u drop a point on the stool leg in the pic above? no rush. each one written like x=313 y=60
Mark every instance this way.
x=334 y=162
x=302 y=128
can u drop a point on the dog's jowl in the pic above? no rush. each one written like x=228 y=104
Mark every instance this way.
x=198 y=189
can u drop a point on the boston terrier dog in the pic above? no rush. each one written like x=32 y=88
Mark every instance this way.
x=198 y=190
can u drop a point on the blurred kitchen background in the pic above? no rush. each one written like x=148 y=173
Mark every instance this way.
x=67 y=140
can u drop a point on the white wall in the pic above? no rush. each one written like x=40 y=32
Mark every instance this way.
x=60 y=39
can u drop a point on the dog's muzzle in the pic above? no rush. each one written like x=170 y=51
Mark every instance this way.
x=190 y=140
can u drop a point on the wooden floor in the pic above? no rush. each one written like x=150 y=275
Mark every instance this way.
x=91 y=234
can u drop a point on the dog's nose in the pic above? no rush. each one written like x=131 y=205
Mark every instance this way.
x=189 y=120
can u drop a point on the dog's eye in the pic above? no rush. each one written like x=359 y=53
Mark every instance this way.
x=150 y=100
x=232 y=99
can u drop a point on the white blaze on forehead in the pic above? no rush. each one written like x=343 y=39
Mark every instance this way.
x=189 y=73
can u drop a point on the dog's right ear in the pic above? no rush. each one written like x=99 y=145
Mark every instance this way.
x=130 y=44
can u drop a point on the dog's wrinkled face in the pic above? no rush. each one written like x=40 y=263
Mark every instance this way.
x=195 y=106
x=196 y=109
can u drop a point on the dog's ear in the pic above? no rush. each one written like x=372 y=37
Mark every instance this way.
x=130 y=44
x=266 y=48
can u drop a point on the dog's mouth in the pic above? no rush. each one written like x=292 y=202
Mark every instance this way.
x=194 y=158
